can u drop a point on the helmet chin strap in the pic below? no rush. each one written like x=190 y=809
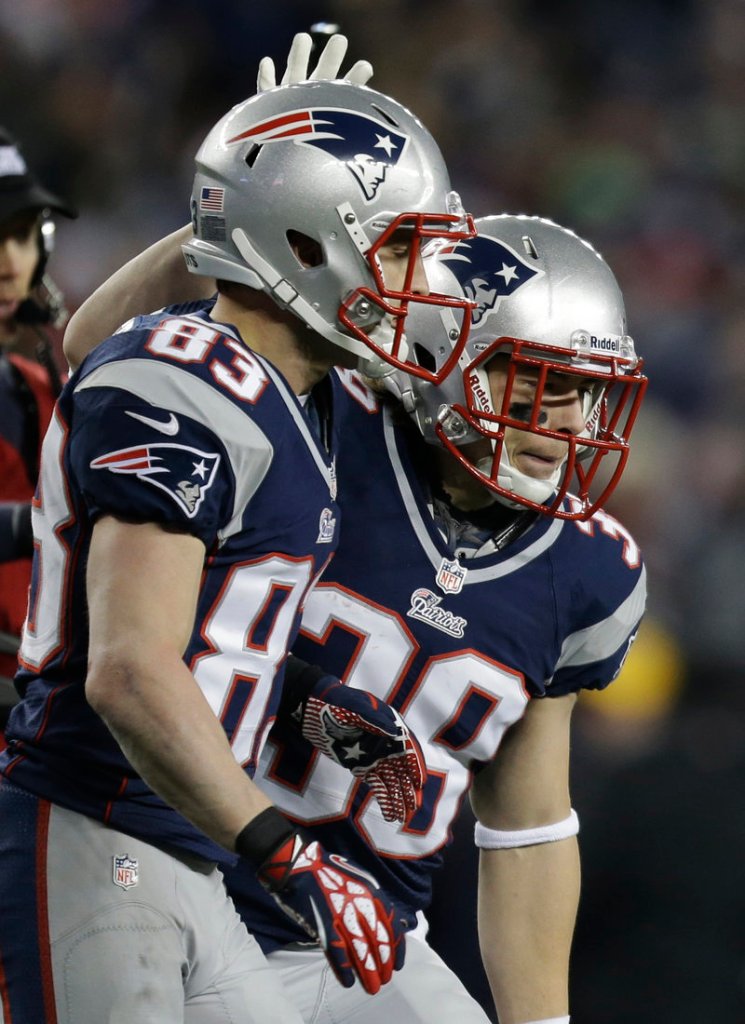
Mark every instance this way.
x=512 y=479
x=383 y=335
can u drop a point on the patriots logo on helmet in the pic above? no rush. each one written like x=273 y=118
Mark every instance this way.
x=367 y=146
x=474 y=262
x=184 y=473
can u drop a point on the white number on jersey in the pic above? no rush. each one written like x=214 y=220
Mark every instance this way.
x=248 y=629
x=189 y=340
x=459 y=708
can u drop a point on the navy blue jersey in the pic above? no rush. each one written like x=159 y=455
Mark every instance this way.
x=175 y=421
x=458 y=646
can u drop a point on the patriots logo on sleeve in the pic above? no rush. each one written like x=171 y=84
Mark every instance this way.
x=367 y=146
x=488 y=272
x=184 y=473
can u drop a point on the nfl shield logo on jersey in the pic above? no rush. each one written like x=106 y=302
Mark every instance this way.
x=125 y=871
x=450 y=576
x=326 y=527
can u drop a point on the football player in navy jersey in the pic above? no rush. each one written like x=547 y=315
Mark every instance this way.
x=186 y=507
x=478 y=587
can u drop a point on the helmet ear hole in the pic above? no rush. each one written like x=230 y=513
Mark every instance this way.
x=252 y=154
x=307 y=250
x=424 y=358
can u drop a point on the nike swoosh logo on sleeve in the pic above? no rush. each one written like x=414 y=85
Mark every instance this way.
x=169 y=427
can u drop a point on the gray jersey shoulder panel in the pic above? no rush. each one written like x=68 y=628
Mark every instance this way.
x=169 y=387
x=600 y=641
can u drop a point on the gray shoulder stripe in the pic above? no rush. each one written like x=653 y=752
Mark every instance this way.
x=604 y=638
x=521 y=558
x=170 y=387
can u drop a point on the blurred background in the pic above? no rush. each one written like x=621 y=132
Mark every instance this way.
x=624 y=120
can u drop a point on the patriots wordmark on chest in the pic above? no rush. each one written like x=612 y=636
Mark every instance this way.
x=427 y=607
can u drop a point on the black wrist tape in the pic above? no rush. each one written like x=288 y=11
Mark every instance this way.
x=300 y=681
x=263 y=835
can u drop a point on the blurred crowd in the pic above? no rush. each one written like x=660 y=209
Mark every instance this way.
x=624 y=120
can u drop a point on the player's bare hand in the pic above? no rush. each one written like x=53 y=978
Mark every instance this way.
x=327 y=68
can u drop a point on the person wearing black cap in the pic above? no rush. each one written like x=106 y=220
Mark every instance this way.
x=28 y=386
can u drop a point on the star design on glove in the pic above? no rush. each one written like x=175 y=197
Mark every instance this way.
x=353 y=752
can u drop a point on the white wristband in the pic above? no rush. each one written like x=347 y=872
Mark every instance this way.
x=550 y=1020
x=496 y=839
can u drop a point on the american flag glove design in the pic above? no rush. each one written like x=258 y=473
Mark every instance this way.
x=370 y=739
x=341 y=906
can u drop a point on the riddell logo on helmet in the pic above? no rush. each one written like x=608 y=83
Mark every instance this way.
x=479 y=392
x=593 y=420
x=605 y=344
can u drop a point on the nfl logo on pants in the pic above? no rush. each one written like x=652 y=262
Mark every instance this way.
x=125 y=872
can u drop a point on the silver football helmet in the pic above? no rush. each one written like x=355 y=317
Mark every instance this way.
x=334 y=169
x=547 y=306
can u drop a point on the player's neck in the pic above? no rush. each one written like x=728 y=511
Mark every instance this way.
x=461 y=489
x=281 y=338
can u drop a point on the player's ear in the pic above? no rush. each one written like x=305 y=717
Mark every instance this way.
x=307 y=250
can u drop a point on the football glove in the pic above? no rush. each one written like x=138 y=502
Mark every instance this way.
x=327 y=68
x=338 y=904
x=361 y=733
x=371 y=740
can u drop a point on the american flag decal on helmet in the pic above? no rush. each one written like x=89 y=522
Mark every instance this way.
x=184 y=473
x=488 y=272
x=366 y=145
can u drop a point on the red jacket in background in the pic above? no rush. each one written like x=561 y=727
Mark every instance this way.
x=15 y=485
